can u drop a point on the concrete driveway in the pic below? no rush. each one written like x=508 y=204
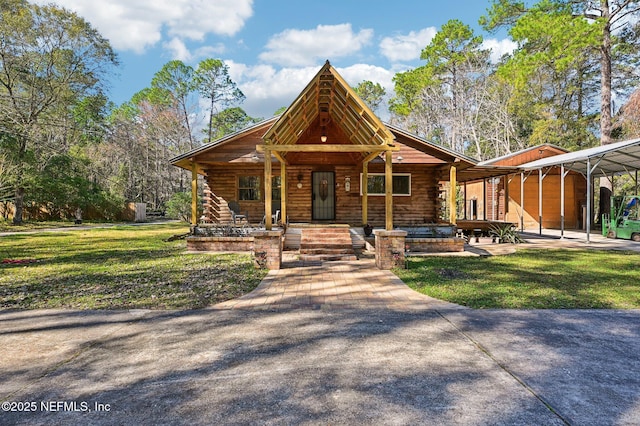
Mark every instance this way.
x=436 y=365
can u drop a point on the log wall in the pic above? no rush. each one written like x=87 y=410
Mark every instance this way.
x=420 y=207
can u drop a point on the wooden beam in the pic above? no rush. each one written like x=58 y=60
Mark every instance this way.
x=365 y=192
x=267 y=191
x=370 y=157
x=452 y=195
x=283 y=192
x=327 y=148
x=280 y=158
x=388 y=191
x=194 y=193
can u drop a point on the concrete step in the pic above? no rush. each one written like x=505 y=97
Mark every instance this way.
x=326 y=257
x=325 y=250
x=326 y=244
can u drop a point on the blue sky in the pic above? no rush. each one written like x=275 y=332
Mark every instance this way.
x=274 y=47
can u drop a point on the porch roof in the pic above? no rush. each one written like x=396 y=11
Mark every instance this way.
x=253 y=134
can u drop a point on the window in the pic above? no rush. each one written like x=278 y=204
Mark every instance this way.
x=275 y=187
x=249 y=188
x=376 y=184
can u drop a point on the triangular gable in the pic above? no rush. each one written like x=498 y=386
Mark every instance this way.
x=328 y=102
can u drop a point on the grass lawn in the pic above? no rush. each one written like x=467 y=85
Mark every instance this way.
x=122 y=267
x=531 y=279
x=8 y=226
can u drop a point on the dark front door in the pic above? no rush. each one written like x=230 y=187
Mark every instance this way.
x=323 y=202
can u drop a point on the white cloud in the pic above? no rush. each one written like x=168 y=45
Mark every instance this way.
x=178 y=49
x=357 y=73
x=499 y=47
x=268 y=88
x=308 y=47
x=407 y=47
x=138 y=24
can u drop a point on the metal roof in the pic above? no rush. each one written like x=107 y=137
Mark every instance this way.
x=611 y=159
x=493 y=161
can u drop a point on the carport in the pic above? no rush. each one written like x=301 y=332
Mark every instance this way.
x=604 y=161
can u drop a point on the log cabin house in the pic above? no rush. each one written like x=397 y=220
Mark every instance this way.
x=310 y=164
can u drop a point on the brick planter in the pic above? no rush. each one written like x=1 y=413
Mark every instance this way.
x=390 y=249
x=222 y=244
x=435 y=245
x=267 y=249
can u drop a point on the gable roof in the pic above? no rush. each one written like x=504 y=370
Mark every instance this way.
x=329 y=103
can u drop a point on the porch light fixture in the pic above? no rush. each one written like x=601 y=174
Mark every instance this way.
x=323 y=137
x=254 y=157
x=299 y=181
x=400 y=159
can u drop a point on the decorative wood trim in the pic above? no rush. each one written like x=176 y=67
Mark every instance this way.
x=326 y=148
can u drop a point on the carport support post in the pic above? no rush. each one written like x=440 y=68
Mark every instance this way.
x=484 y=200
x=588 y=218
x=561 y=201
x=540 y=177
x=521 y=201
x=194 y=193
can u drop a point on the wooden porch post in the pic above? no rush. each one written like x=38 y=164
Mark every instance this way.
x=194 y=193
x=365 y=195
x=267 y=190
x=452 y=198
x=283 y=192
x=388 y=191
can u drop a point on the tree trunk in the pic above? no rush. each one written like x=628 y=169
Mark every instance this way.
x=186 y=122
x=606 y=188
x=19 y=205
x=211 y=120
x=605 y=78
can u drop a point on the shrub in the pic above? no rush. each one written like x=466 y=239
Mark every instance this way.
x=505 y=233
x=179 y=206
